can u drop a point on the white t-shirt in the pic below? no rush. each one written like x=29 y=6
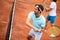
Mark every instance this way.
x=53 y=11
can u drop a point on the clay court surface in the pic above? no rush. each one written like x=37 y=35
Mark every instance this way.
x=22 y=8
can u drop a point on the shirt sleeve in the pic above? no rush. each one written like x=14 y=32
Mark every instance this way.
x=30 y=15
x=52 y=5
x=43 y=22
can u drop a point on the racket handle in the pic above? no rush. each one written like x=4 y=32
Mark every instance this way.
x=45 y=30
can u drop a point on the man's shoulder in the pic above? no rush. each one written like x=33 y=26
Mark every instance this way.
x=53 y=3
x=31 y=13
x=42 y=17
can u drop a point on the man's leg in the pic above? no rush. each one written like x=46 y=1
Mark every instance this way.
x=47 y=19
x=52 y=25
x=52 y=20
x=46 y=23
x=31 y=34
x=29 y=37
x=38 y=36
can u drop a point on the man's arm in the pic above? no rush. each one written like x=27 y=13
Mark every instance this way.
x=48 y=9
x=45 y=7
x=43 y=28
x=30 y=24
x=43 y=23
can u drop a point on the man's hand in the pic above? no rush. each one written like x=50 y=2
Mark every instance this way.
x=35 y=29
x=40 y=30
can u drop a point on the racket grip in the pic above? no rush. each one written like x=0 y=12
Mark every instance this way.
x=44 y=30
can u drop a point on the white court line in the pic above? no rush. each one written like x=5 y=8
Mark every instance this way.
x=12 y=20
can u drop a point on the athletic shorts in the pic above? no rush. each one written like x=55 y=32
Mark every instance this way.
x=51 y=19
x=36 y=35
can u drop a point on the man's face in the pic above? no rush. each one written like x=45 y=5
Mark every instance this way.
x=37 y=11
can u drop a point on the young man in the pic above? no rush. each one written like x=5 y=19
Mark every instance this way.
x=52 y=12
x=38 y=22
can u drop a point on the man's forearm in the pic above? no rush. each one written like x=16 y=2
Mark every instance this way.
x=29 y=24
x=43 y=28
x=44 y=5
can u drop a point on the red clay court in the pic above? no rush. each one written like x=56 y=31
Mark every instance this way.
x=22 y=8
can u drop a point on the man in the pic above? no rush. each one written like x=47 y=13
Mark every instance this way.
x=38 y=22
x=52 y=12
